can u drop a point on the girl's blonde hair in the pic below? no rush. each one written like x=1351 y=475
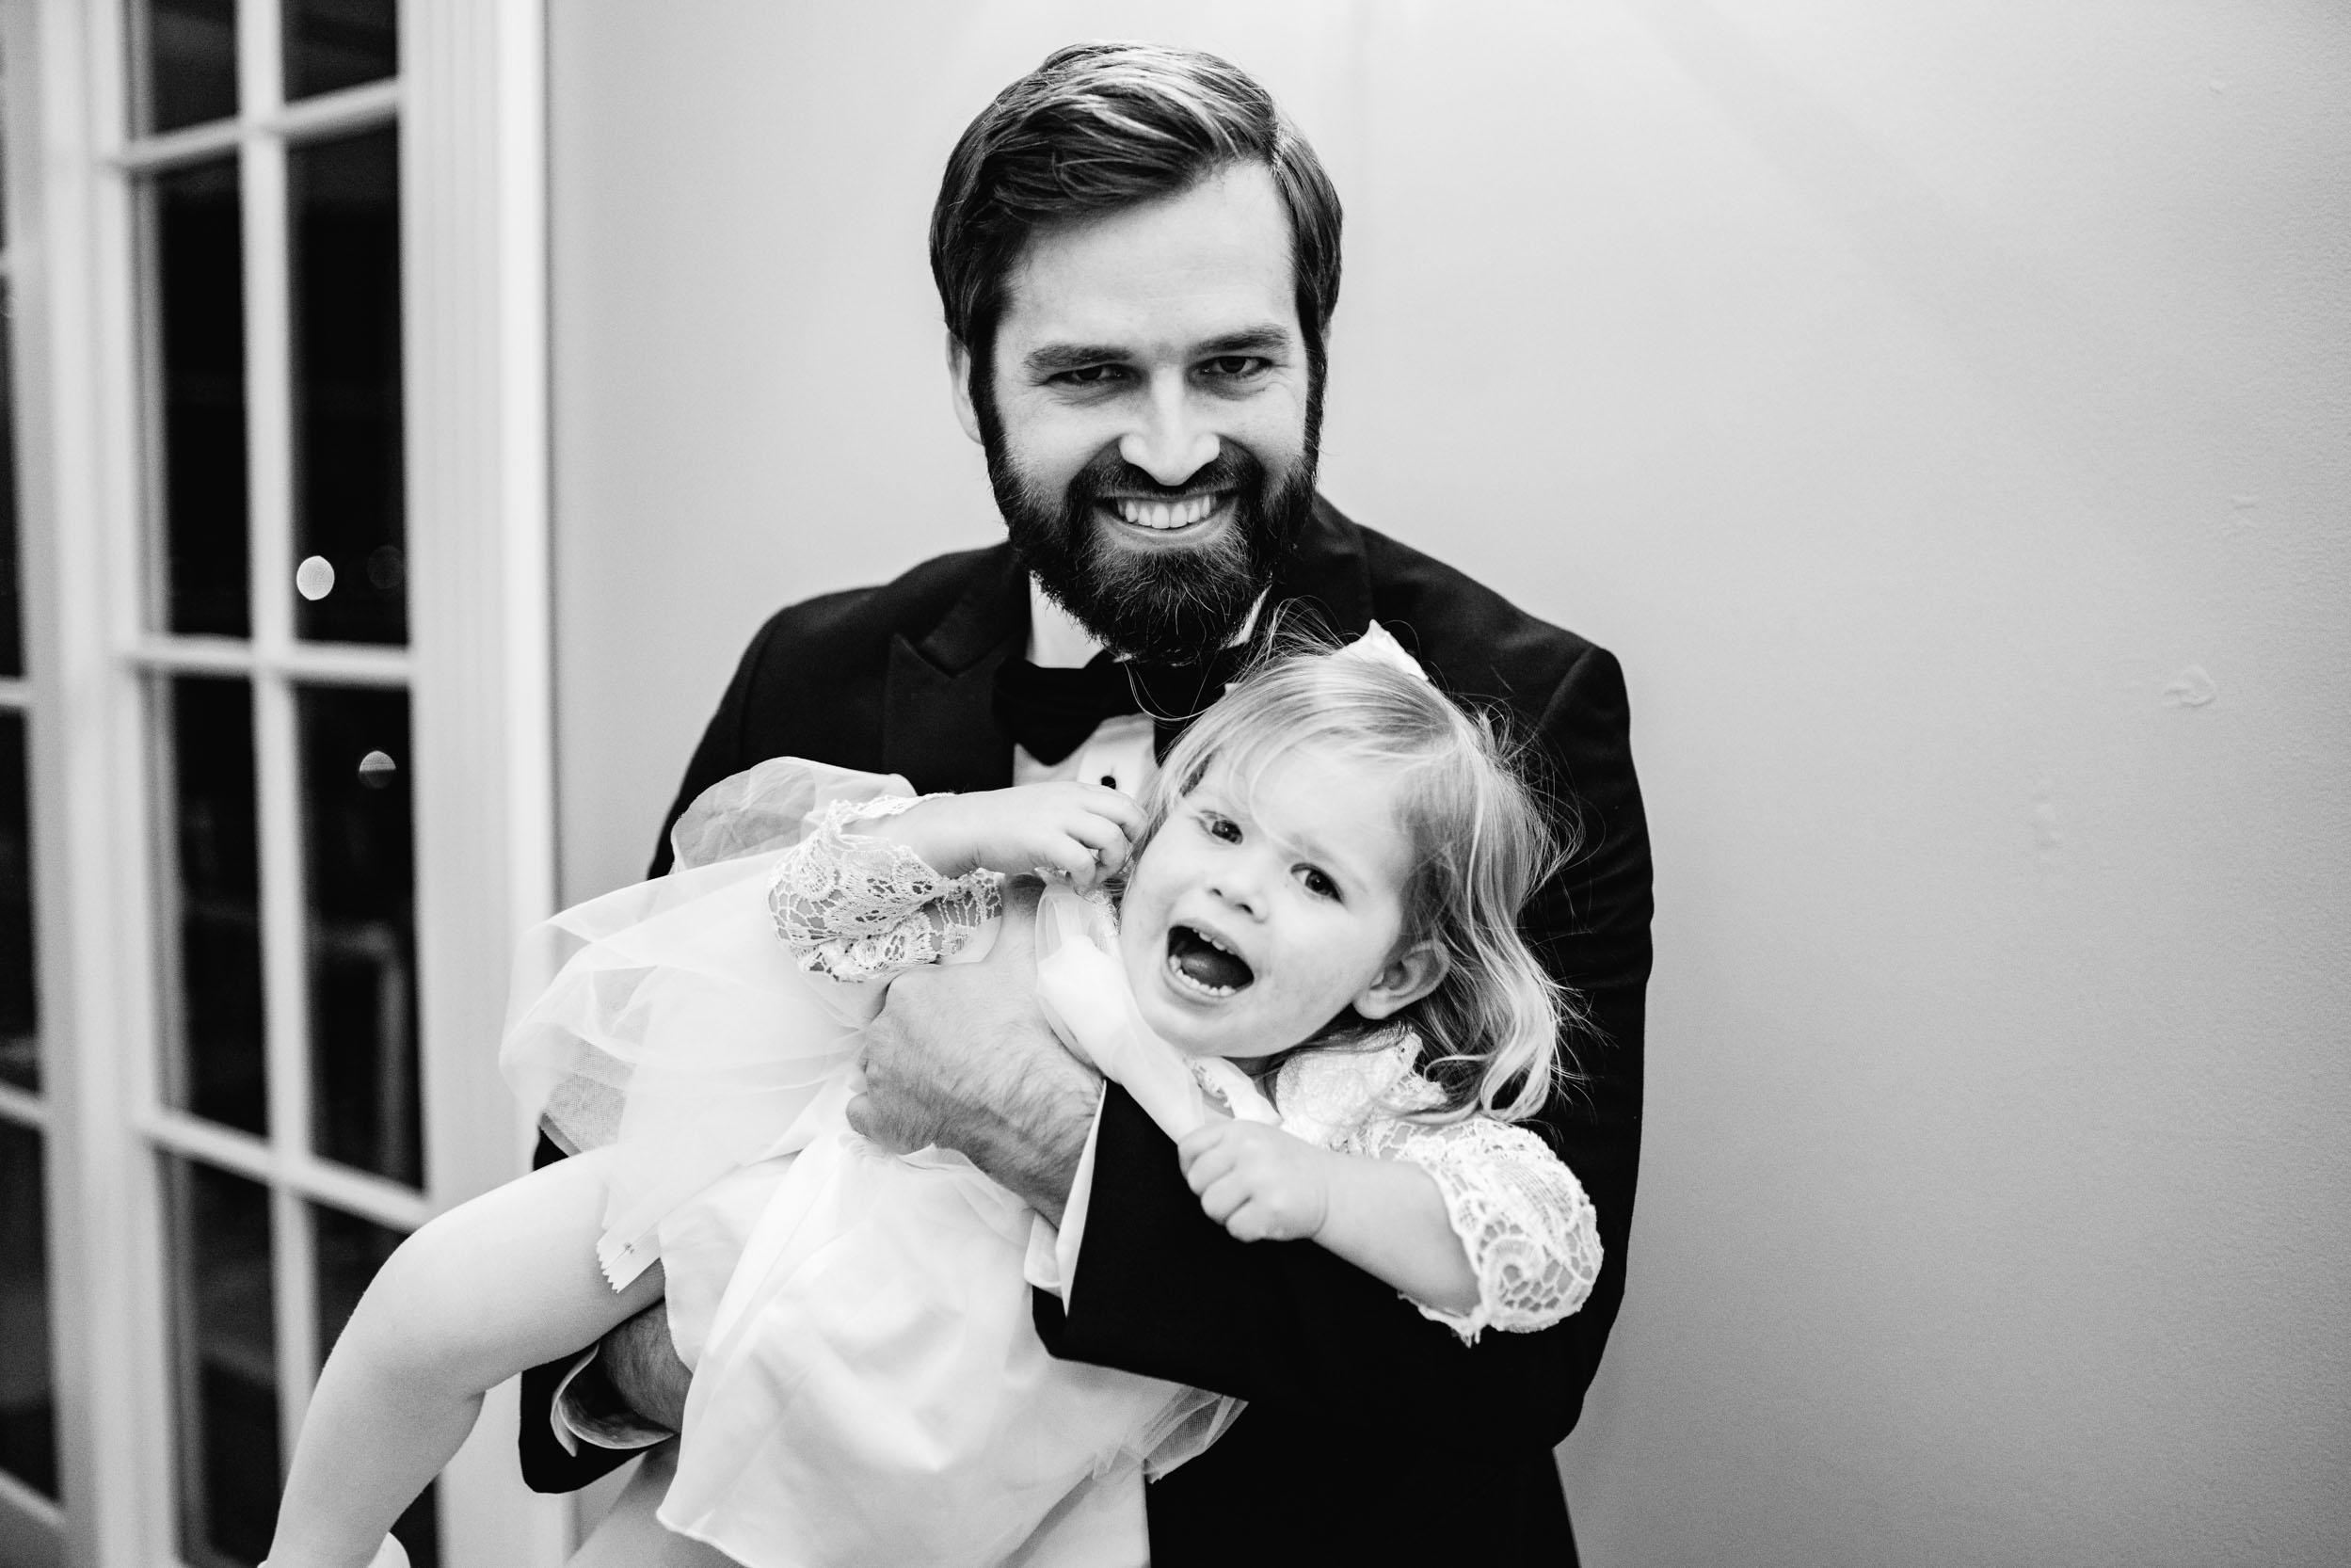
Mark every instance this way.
x=1479 y=845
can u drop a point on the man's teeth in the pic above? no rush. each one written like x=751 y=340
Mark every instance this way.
x=1166 y=514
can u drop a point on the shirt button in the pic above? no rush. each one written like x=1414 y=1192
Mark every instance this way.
x=1109 y=780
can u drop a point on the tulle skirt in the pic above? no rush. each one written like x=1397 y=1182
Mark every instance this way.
x=869 y=1386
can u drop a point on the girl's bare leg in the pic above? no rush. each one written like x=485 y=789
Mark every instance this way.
x=486 y=1291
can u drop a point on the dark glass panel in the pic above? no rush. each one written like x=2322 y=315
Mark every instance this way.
x=11 y=591
x=19 y=1011
x=224 y=1335
x=198 y=288
x=348 y=507
x=214 y=1057
x=185 y=59
x=339 y=44
x=29 y=1394
x=360 y=880
x=350 y=1251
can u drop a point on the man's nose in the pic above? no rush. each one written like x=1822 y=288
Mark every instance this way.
x=1168 y=441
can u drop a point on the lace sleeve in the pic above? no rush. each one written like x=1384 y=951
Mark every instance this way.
x=854 y=907
x=1531 y=1235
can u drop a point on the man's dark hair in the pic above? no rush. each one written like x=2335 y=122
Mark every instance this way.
x=1103 y=126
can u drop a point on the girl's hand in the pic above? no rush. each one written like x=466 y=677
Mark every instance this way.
x=1082 y=830
x=1258 y=1182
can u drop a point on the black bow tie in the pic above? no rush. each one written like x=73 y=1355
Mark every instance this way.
x=1052 y=712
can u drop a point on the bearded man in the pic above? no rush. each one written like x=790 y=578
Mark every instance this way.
x=1138 y=259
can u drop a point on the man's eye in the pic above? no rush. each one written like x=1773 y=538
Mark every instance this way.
x=1238 y=367
x=1317 y=883
x=1090 y=376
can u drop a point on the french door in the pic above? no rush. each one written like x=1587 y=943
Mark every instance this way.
x=284 y=707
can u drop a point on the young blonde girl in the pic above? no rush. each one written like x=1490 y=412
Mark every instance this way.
x=1312 y=980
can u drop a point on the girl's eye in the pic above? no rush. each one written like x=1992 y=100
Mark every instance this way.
x=1220 y=827
x=1317 y=883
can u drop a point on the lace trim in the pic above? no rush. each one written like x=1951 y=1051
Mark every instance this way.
x=858 y=909
x=1531 y=1235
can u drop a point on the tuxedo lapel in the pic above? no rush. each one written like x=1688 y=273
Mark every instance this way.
x=939 y=718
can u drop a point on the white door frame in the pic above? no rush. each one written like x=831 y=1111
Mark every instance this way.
x=470 y=103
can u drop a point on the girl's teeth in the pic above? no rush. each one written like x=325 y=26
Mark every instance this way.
x=1190 y=985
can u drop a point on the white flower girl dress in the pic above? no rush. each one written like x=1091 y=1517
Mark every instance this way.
x=868 y=1385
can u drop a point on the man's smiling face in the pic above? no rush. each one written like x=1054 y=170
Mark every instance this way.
x=1150 y=427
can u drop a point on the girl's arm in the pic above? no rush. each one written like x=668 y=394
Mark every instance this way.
x=490 y=1288
x=1385 y=1216
x=1476 y=1221
x=881 y=887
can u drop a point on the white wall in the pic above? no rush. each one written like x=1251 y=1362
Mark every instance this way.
x=1944 y=409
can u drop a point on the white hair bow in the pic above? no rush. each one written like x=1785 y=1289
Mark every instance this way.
x=1380 y=645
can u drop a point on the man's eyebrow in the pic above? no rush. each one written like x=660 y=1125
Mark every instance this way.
x=1055 y=358
x=1249 y=339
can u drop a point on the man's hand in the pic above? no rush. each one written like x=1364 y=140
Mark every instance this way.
x=640 y=1363
x=1258 y=1182
x=960 y=1056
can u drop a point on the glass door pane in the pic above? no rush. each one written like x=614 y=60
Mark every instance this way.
x=339 y=44
x=197 y=249
x=183 y=63
x=20 y=1012
x=359 y=871
x=28 y=1443
x=214 y=1054
x=349 y=532
x=225 y=1345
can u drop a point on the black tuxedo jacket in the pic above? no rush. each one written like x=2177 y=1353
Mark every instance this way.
x=1372 y=1435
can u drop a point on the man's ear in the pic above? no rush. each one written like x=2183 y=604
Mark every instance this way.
x=1409 y=976
x=959 y=385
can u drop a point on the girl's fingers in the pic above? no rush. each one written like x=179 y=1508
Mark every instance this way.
x=1222 y=1197
x=1208 y=1166
x=1120 y=809
x=1199 y=1141
x=1098 y=833
x=1074 y=859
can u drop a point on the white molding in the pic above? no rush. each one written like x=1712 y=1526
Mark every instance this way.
x=75 y=425
x=473 y=253
x=469 y=104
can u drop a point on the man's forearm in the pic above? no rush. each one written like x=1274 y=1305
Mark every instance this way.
x=1033 y=1145
x=640 y=1364
x=961 y=1057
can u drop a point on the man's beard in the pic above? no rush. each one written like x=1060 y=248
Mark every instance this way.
x=1166 y=606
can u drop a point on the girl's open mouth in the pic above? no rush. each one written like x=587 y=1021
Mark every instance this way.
x=1200 y=964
